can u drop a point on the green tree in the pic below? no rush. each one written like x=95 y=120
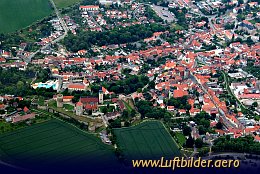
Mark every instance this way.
x=198 y=143
x=190 y=142
x=186 y=130
x=219 y=125
x=255 y=104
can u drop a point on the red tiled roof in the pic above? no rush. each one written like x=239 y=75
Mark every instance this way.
x=16 y=119
x=79 y=104
x=76 y=86
x=68 y=97
x=89 y=99
x=25 y=109
x=89 y=6
x=179 y=93
x=2 y=106
x=91 y=107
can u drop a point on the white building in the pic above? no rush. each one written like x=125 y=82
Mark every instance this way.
x=89 y=8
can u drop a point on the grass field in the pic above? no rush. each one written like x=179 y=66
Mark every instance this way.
x=17 y=14
x=181 y=138
x=68 y=107
x=148 y=140
x=65 y=3
x=52 y=143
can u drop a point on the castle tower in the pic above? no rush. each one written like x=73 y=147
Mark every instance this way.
x=59 y=100
x=79 y=108
x=101 y=97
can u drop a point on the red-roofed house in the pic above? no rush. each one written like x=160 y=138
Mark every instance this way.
x=90 y=103
x=89 y=8
x=67 y=98
x=25 y=109
x=179 y=93
x=19 y=118
x=76 y=87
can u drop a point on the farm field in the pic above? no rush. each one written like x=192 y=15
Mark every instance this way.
x=65 y=3
x=148 y=140
x=17 y=14
x=55 y=143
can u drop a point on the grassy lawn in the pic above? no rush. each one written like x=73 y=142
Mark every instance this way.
x=147 y=140
x=52 y=143
x=110 y=109
x=18 y=14
x=68 y=107
x=41 y=101
x=128 y=107
x=180 y=138
x=65 y=3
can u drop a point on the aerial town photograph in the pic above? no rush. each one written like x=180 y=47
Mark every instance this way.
x=130 y=86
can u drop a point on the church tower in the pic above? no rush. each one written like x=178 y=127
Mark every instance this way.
x=79 y=108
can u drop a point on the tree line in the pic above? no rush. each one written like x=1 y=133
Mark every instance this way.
x=119 y=35
x=240 y=145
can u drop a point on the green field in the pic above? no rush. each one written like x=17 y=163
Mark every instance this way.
x=65 y=3
x=54 y=142
x=17 y=14
x=148 y=140
x=180 y=138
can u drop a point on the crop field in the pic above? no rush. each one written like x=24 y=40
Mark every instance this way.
x=148 y=140
x=17 y=14
x=54 y=143
x=65 y=3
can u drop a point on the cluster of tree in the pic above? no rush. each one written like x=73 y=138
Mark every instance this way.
x=173 y=36
x=179 y=103
x=203 y=121
x=180 y=15
x=20 y=103
x=241 y=145
x=190 y=143
x=73 y=68
x=152 y=63
x=128 y=114
x=120 y=35
x=156 y=2
x=9 y=40
x=252 y=69
x=229 y=26
x=129 y=85
x=150 y=14
x=14 y=81
x=146 y=109
x=43 y=92
x=115 y=123
x=89 y=2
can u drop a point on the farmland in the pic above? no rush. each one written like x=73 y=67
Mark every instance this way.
x=65 y=3
x=17 y=14
x=53 y=143
x=148 y=140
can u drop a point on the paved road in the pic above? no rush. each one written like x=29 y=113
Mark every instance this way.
x=163 y=13
x=221 y=113
x=65 y=28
